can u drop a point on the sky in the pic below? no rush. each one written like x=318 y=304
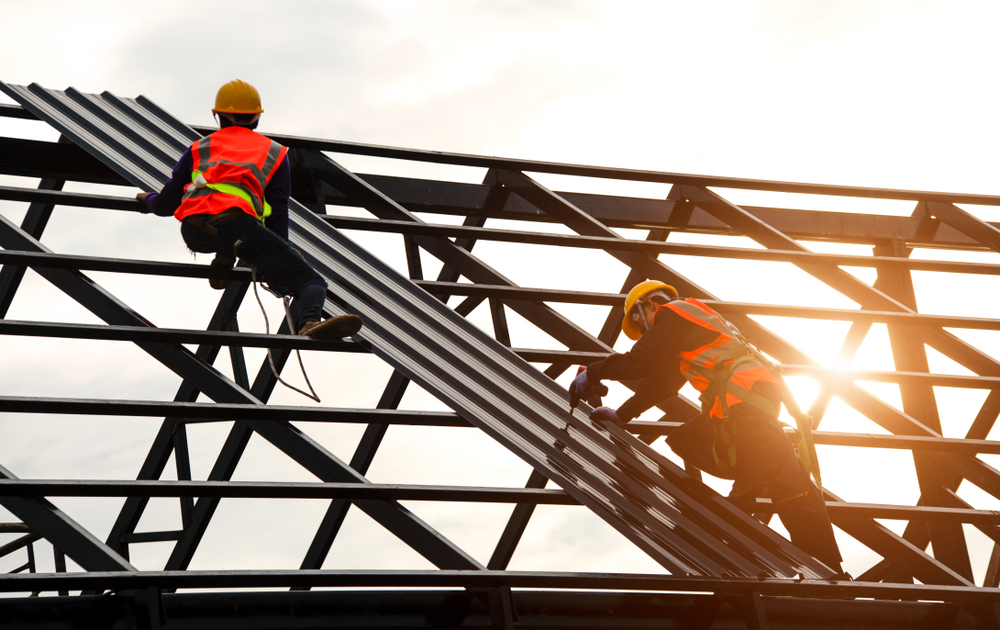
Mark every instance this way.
x=868 y=93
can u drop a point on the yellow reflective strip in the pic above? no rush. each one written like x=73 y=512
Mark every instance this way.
x=236 y=191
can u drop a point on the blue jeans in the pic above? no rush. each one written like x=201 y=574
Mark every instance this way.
x=271 y=255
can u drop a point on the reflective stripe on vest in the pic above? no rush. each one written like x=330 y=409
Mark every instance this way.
x=724 y=372
x=222 y=171
x=725 y=355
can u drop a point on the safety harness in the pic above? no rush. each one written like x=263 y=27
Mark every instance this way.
x=726 y=368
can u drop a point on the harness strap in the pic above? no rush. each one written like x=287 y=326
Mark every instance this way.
x=803 y=421
x=200 y=187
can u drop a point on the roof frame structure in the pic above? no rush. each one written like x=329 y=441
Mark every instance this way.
x=666 y=511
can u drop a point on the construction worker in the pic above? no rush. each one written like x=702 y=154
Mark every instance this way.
x=230 y=192
x=737 y=435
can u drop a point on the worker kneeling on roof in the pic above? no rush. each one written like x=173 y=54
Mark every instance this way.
x=230 y=191
x=737 y=435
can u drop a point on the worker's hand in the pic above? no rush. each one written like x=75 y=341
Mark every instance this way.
x=141 y=197
x=578 y=388
x=583 y=389
x=606 y=414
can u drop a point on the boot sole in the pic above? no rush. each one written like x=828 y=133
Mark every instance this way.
x=336 y=327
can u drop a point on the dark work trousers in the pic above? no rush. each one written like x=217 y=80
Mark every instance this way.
x=765 y=457
x=271 y=255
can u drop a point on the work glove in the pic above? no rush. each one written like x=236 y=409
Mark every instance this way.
x=583 y=389
x=604 y=414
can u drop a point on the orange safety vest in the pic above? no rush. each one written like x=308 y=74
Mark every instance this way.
x=724 y=371
x=232 y=167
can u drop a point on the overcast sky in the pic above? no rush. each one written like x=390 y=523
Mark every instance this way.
x=888 y=94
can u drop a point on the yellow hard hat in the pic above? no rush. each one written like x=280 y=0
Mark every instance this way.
x=237 y=97
x=639 y=291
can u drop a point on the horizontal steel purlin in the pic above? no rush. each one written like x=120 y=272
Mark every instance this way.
x=463 y=159
x=215 y=412
x=869 y=440
x=219 y=412
x=47 y=520
x=140 y=334
x=396 y=492
x=489 y=579
x=144 y=267
x=655 y=247
x=278 y=490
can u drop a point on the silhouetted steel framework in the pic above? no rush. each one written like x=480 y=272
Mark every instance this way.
x=727 y=569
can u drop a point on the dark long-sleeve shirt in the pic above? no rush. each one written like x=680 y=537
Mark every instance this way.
x=654 y=360
x=278 y=190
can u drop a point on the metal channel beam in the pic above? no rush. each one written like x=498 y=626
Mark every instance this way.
x=141 y=334
x=216 y=412
x=13 y=487
x=920 y=403
x=165 y=439
x=34 y=224
x=62 y=531
x=400 y=609
x=842 y=590
x=364 y=454
x=654 y=246
x=461 y=159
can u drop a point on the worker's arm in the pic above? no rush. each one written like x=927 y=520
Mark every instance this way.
x=653 y=360
x=165 y=202
x=278 y=190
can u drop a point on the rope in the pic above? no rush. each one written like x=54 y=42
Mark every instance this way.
x=803 y=421
x=286 y=301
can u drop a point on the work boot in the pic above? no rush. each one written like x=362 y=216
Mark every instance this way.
x=222 y=260
x=746 y=490
x=333 y=328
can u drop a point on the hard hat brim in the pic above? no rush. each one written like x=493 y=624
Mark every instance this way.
x=630 y=330
x=237 y=111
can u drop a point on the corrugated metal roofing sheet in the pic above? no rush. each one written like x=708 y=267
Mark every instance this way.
x=639 y=492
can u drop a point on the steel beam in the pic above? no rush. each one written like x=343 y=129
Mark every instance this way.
x=263 y=579
x=35 y=220
x=62 y=531
x=14 y=487
x=217 y=412
x=364 y=454
x=516 y=524
x=164 y=441
x=655 y=246
x=966 y=223
x=920 y=403
x=399 y=609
